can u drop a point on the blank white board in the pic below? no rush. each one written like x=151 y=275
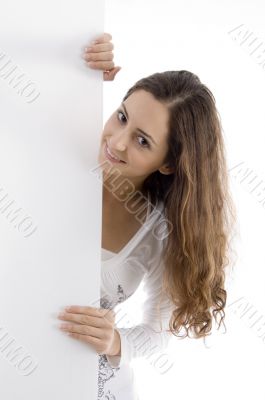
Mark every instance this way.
x=50 y=202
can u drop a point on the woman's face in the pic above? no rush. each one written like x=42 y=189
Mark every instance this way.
x=141 y=154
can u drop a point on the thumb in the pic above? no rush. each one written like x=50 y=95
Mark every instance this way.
x=110 y=75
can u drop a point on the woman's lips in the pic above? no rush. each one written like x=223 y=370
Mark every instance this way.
x=108 y=156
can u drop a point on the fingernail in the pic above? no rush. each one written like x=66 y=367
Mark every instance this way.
x=88 y=48
x=95 y=42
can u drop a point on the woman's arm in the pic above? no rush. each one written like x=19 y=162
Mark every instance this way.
x=148 y=337
x=100 y=56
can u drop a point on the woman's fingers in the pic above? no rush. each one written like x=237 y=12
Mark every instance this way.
x=88 y=315
x=105 y=56
x=98 y=48
x=81 y=319
x=101 y=44
x=95 y=326
x=82 y=329
x=99 y=60
x=105 y=37
x=100 y=56
x=102 y=65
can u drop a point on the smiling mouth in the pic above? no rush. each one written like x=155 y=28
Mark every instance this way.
x=109 y=156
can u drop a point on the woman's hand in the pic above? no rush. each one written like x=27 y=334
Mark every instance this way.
x=94 y=326
x=100 y=56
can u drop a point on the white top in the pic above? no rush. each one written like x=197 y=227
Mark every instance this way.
x=121 y=274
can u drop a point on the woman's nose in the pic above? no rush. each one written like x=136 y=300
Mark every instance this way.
x=119 y=142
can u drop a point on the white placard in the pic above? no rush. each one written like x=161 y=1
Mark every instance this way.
x=50 y=202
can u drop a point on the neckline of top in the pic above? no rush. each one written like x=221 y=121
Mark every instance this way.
x=148 y=219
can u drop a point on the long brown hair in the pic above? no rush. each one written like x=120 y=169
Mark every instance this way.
x=197 y=201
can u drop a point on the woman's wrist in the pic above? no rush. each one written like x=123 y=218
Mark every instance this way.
x=116 y=345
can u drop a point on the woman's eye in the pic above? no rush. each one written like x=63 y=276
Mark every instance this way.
x=146 y=143
x=120 y=112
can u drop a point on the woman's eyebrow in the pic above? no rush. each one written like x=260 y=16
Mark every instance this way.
x=140 y=130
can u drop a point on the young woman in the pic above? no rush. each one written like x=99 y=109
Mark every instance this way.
x=162 y=150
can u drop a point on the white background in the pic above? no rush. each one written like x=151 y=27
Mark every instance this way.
x=155 y=36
